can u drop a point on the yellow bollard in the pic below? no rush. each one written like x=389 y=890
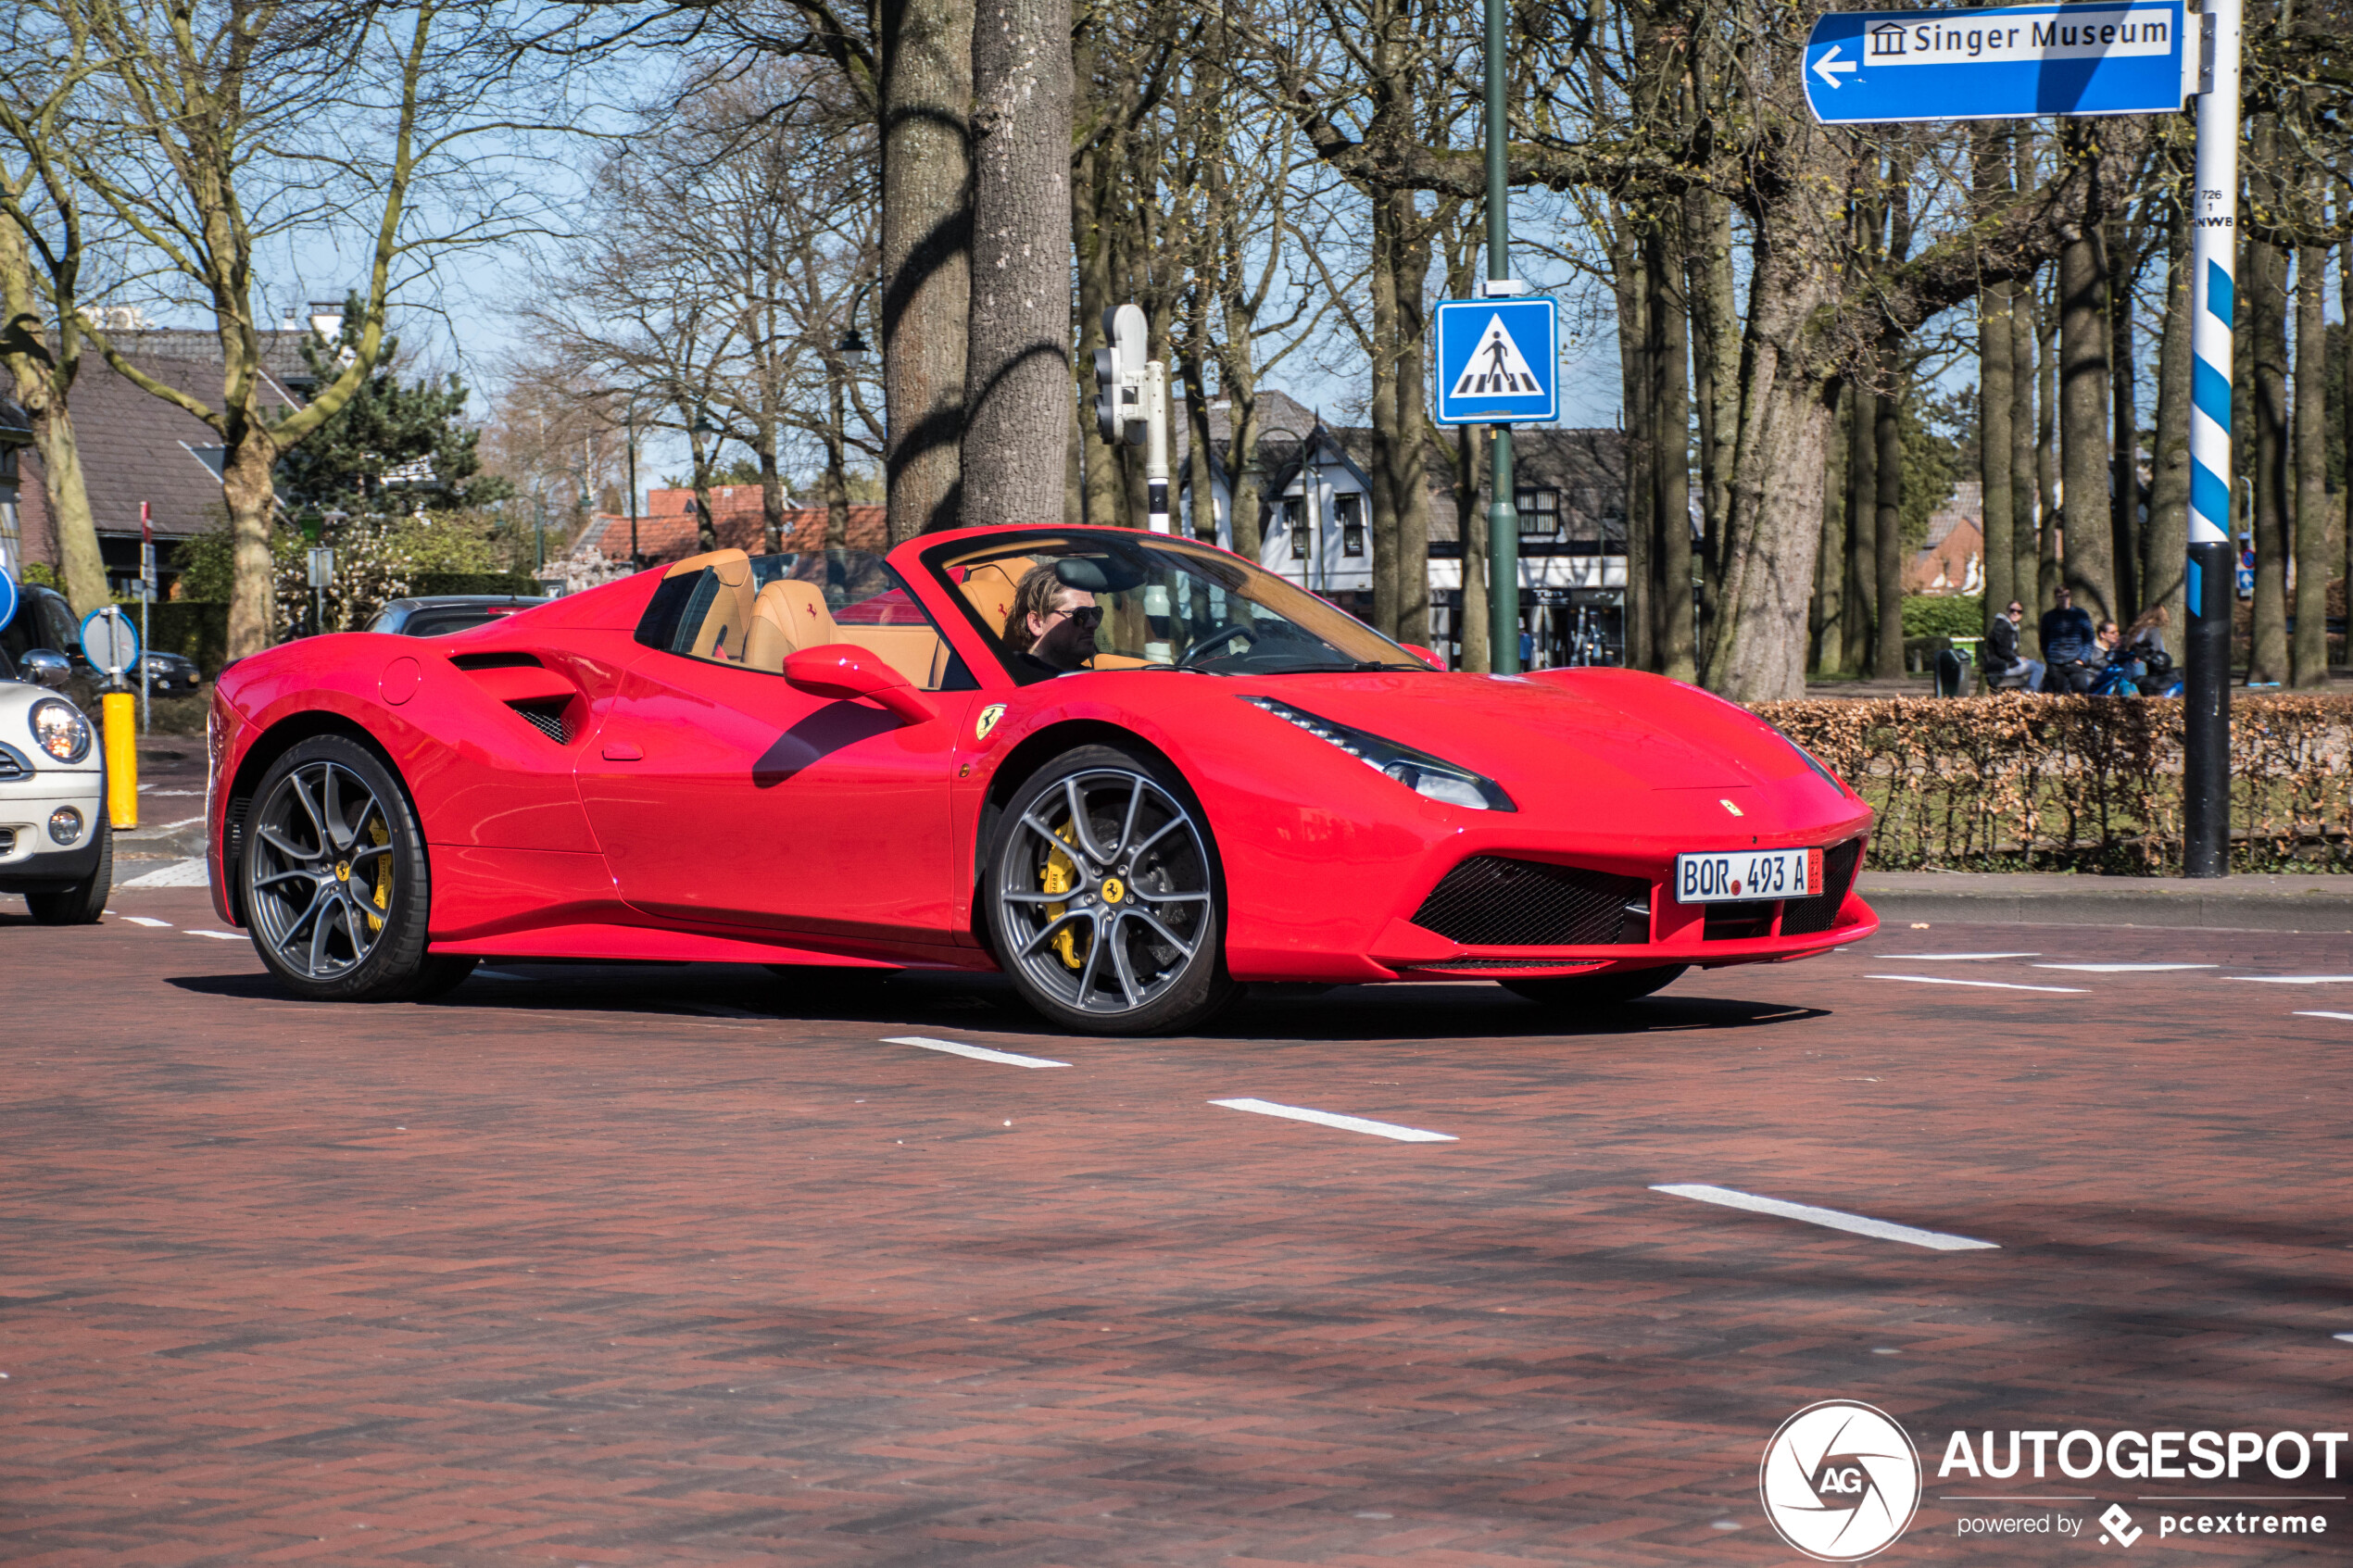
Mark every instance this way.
x=121 y=729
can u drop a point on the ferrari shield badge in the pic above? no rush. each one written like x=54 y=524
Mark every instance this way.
x=987 y=721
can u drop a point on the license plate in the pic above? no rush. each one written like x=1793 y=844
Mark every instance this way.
x=1743 y=874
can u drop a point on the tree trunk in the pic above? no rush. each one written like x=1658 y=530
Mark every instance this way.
x=2124 y=469
x=1631 y=282
x=1380 y=471
x=1990 y=176
x=1409 y=477
x=1824 y=646
x=1860 y=614
x=1103 y=501
x=2084 y=454
x=1715 y=348
x=2026 y=515
x=926 y=98
x=1201 y=510
x=837 y=479
x=2345 y=397
x=2165 y=540
x=1666 y=350
x=2049 y=538
x=772 y=485
x=2267 y=308
x=1887 y=556
x=2309 y=664
x=1017 y=378
x=1470 y=525
x=245 y=488
x=43 y=379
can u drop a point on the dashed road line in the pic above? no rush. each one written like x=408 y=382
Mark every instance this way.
x=2346 y=1017
x=1987 y=985
x=2127 y=968
x=143 y=920
x=977 y=1053
x=1952 y=958
x=1333 y=1118
x=2293 y=979
x=1833 y=1219
x=224 y=936
x=179 y=873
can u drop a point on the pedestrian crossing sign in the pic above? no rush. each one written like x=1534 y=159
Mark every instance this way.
x=1498 y=361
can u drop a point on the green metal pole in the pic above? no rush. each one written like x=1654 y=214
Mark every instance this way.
x=1503 y=516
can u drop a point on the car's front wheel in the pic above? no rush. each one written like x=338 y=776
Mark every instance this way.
x=1596 y=990
x=1101 y=892
x=335 y=882
x=79 y=903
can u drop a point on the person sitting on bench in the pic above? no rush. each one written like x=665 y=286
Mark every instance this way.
x=2005 y=668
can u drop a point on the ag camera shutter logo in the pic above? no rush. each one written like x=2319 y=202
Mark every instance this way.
x=1840 y=1481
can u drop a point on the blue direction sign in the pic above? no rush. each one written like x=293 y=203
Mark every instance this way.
x=2004 y=62
x=1498 y=361
x=7 y=599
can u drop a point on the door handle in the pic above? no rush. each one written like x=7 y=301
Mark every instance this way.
x=623 y=751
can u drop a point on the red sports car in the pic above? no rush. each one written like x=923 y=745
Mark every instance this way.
x=1133 y=771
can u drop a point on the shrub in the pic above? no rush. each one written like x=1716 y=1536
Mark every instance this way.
x=2020 y=783
x=1954 y=615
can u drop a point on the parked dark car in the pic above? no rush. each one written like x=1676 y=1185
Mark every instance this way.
x=45 y=623
x=441 y=614
x=169 y=674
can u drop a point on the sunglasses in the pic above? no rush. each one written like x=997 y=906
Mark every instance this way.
x=1088 y=616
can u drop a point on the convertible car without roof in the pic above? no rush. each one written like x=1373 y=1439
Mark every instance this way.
x=1161 y=774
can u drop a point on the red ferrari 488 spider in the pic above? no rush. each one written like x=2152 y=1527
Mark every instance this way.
x=1132 y=771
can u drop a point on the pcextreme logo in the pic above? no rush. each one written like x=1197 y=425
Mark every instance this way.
x=1840 y=1481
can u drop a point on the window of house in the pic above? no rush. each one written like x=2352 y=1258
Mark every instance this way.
x=1294 y=519
x=1539 y=513
x=1349 y=512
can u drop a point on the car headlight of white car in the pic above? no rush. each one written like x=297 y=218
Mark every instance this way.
x=59 y=730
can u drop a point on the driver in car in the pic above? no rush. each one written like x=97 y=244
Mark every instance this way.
x=1052 y=625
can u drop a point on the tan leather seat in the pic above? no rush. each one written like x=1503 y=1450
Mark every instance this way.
x=727 y=623
x=990 y=589
x=787 y=616
x=915 y=652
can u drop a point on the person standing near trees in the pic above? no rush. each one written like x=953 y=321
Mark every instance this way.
x=2067 y=646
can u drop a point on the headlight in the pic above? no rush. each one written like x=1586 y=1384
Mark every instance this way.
x=1808 y=758
x=59 y=730
x=1417 y=770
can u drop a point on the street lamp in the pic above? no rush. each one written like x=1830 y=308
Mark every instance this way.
x=853 y=347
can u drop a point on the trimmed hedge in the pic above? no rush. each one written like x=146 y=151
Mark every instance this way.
x=1954 y=615
x=425 y=585
x=2091 y=783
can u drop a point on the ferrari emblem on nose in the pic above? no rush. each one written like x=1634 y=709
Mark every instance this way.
x=989 y=717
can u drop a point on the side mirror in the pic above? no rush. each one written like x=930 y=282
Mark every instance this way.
x=46 y=667
x=845 y=672
x=1425 y=655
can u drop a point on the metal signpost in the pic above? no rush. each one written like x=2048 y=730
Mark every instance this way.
x=146 y=597
x=322 y=575
x=110 y=644
x=2123 y=56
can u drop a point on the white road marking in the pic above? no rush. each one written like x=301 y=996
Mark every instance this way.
x=1332 y=1119
x=162 y=827
x=2293 y=979
x=2126 y=968
x=179 y=874
x=2347 y=1338
x=143 y=920
x=2348 y=1016
x=979 y=1053
x=160 y=794
x=1988 y=984
x=224 y=936
x=1952 y=958
x=1835 y=1219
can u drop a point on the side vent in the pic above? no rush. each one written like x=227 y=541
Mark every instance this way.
x=536 y=695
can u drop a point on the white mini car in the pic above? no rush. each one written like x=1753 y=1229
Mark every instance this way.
x=56 y=846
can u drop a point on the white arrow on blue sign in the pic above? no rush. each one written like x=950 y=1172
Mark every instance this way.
x=1498 y=361
x=2004 y=62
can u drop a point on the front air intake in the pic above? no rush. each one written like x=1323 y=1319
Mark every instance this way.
x=1489 y=901
x=1803 y=917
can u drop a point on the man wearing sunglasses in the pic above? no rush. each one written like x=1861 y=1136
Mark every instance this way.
x=1053 y=624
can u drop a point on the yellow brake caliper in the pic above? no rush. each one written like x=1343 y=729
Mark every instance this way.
x=378 y=834
x=1060 y=876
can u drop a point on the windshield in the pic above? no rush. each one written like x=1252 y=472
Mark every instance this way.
x=1055 y=602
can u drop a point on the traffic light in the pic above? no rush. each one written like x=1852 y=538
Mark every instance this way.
x=1119 y=376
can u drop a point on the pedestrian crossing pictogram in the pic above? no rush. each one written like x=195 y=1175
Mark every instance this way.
x=1497 y=360
x=1497 y=368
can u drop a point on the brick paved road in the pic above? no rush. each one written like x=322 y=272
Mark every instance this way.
x=566 y=1270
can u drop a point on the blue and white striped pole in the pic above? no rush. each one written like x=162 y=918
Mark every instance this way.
x=2206 y=781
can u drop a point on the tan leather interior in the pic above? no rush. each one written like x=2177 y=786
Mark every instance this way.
x=727 y=623
x=915 y=652
x=991 y=587
x=787 y=616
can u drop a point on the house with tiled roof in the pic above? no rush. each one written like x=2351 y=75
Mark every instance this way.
x=136 y=447
x=667 y=529
x=1953 y=560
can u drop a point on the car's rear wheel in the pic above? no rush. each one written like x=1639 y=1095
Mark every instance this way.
x=336 y=888
x=1596 y=990
x=1102 y=898
x=79 y=903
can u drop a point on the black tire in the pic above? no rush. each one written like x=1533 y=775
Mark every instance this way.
x=335 y=880
x=443 y=973
x=1128 y=840
x=79 y=903
x=1609 y=990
